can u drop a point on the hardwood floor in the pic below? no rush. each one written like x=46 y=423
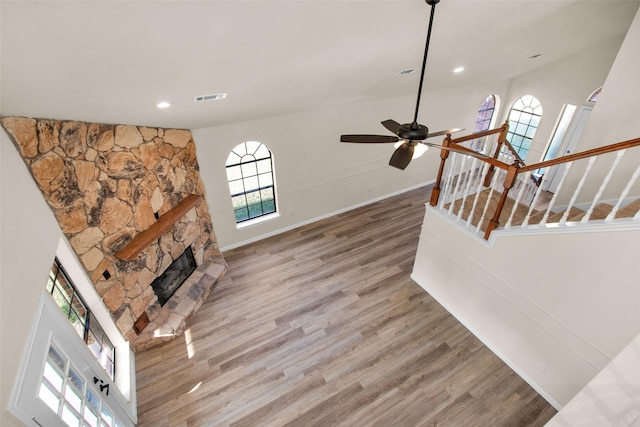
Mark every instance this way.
x=322 y=326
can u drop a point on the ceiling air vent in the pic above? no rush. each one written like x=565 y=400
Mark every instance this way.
x=406 y=71
x=212 y=97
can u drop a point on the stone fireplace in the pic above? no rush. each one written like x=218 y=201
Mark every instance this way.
x=165 y=285
x=130 y=201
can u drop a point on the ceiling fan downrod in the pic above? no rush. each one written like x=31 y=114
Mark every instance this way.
x=411 y=134
x=431 y=3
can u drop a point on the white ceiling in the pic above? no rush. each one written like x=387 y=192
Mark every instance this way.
x=113 y=61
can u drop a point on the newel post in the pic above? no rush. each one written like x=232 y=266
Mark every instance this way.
x=444 y=154
x=509 y=181
x=502 y=138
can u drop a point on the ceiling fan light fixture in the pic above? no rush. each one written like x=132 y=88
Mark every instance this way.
x=409 y=137
x=418 y=149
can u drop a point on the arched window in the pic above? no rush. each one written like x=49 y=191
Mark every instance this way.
x=485 y=114
x=251 y=181
x=483 y=121
x=594 y=96
x=524 y=119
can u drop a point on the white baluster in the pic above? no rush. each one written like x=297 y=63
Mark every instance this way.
x=587 y=170
x=457 y=185
x=605 y=182
x=536 y=196
x=488 y=145
x=524 y=180
x=555 y=195
x=623 y=195
x=465 y=191
x=478 y=190
x=486 y=204
x=447 y=183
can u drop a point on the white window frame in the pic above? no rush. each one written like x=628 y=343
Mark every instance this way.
x=241 y=152
x=494 y=110
x=528 y=109
x=50 y=323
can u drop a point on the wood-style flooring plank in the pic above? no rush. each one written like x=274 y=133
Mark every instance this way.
x=323 y=326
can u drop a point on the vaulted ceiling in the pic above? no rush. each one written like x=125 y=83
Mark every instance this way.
x=113 y=61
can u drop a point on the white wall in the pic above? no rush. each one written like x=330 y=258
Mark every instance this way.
x=30 y=236
x=612 y=398
x=557 y=308
x=615 y=116
x=570 y=81
x=316 y=175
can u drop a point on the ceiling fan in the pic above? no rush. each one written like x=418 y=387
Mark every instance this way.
x=412 y=133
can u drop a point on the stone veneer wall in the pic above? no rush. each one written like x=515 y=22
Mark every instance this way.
x=104 y=183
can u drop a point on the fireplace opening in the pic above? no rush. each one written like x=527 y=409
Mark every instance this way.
x=172 y=278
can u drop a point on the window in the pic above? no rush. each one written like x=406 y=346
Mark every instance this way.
x=83 y=321
x=483 y=121
x=251 y=181
x=524 y=119
x=594 y=96
x=65 y=391
x=485 y=114
x=63 y=380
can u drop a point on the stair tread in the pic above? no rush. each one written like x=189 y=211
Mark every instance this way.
x=519 y=215
x=574 y=213
x=601 y=211
x=629 y=210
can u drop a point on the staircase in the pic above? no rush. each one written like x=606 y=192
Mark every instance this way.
x=473 y=216
x=484 y=193
x=535 y=259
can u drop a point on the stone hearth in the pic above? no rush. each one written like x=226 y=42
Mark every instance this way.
x=106 y=184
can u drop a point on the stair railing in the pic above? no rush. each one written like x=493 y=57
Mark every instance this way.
x=466 y=186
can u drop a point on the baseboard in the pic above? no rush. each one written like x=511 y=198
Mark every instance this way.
x=325 y=216
x=458 y=272
x=488 y=343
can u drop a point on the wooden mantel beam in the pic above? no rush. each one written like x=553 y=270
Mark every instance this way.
x=166 y=221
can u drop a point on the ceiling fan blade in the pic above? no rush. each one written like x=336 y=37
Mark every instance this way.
x=462 y=150
x=368 y=138
x=402 y=156
x=392 y=125
x=445 y=132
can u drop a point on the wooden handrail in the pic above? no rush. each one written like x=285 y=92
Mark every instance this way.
x=514 y=152
x=490 y=160
x=517 y=167
x=557 y=161
x=493 y=161
x=582 y=155
x=478 y=135
x=502 y=128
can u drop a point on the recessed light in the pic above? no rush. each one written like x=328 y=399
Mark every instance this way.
x=163 y=104
x=458 y=70
x=535 y=56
